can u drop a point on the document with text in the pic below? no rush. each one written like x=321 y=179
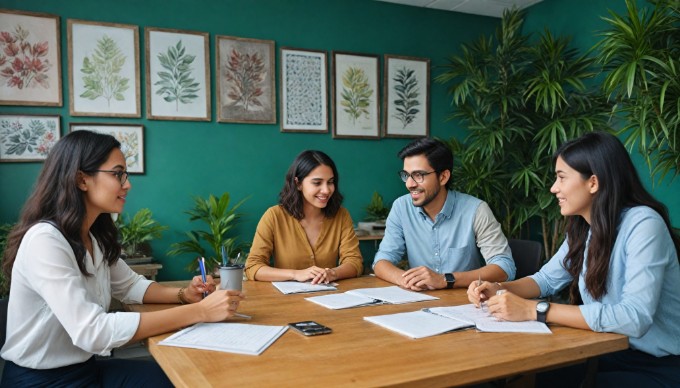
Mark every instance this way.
x=369 y=296
x=418 y=324
x=484 y=321
x=227 y=337
x=302 y=287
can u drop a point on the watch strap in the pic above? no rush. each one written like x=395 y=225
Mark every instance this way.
x=450 y=280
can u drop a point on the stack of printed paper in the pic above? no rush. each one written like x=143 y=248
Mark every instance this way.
x=227 y=337
x=369 y=296
x=301 y=287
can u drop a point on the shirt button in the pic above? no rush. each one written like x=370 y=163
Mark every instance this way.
x=436 y=254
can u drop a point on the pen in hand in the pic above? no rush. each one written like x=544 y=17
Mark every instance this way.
x=201 y=265
x=481 y=295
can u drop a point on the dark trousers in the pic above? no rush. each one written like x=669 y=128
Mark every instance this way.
x=627 y=368
x=91 y=373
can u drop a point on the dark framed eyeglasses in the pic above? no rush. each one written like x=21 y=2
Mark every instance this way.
x=417 y=176
x=122 y=175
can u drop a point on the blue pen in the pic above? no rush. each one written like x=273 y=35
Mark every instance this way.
x=201 y=265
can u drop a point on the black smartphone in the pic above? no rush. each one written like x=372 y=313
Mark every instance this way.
x=310 y=328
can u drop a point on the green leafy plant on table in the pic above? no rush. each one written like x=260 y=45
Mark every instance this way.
x=518 y=100
x=220 y=221
x=137 y=231
x=376 y=209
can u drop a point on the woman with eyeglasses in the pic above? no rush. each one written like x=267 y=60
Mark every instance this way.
x=62 y=264
x=619 y=262
x=309 y=234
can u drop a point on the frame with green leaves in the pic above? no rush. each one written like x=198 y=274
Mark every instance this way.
x=27 y=138
x=177 y=75
x=355 y=96
x=130 y=136
x=245 y=80
x=407 y=90
x=30 y=72
x=303 y=87
x=103 y=69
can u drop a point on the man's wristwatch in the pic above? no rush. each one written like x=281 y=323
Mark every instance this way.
x=542 y=311
x=449 y=280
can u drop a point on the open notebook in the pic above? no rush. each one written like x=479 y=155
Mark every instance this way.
x=369 y=296
x=438 y=320
x=293 y=287
x=226 y=337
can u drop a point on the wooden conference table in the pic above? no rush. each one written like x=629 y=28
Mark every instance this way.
x=360 y=353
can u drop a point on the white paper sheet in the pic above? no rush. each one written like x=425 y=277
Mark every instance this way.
x=301 y=287
x=393 y=294
x=486 y=322
x=342 y=300
x=417 y=324
x=227 y=337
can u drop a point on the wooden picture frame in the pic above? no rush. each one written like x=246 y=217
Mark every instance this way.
x=94 y=48
x=28 y=138
x=30 y=65
x=177 y=69
x=130 y=136
x=304 y=90
x=355 y=96
x=245 y=96
x=407 y=91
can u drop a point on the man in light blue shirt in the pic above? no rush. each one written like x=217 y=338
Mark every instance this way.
x=444 y=233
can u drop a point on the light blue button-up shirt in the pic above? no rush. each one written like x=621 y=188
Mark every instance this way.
x=450 y=243
x=643 y=285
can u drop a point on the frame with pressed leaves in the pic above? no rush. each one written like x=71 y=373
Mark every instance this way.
x=130 y=136
x=177 y=70
x=103 y=69
x=407 y=90
x=355 y=96
x=27 y=138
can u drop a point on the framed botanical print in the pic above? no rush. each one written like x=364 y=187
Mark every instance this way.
x=355 y=96
x=303 y=87
x=245 y=80
x=177 y=75
x=407 y=90
x=130 y=136
x=27 y=138
x=103 y=64
x=30 y=59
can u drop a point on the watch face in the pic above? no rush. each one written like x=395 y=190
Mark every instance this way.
x=542 y=307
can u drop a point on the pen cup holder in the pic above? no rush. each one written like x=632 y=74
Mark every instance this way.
x=231 y=277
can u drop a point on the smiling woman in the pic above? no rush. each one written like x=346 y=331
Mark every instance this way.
x=309 y=234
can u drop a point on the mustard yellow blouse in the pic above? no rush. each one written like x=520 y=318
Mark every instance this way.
x=281 y=237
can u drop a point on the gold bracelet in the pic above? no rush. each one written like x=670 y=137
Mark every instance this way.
x=180 y=296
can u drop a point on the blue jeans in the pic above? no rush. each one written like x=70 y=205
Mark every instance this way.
x=91 y=373
x=627 y=368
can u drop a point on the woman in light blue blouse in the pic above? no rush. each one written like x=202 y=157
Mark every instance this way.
x=619 y=261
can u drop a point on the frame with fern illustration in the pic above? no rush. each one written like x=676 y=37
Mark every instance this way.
x=177 y=70
x=103 y=69
x=304 y=91
x=27 y=138
x=30 y=69
x=355 y=96
x=130 y=136
x=245 y=80
x=407 y=90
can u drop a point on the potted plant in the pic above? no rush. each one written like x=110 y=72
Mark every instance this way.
x=135 y=234
x=219 y=220
x=376 y=214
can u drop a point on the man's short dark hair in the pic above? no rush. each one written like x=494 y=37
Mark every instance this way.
x=437 y=153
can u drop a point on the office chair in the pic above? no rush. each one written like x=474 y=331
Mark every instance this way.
x=528 y=256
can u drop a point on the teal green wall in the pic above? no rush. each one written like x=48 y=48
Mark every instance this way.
x=184 y=159
x=582 y=20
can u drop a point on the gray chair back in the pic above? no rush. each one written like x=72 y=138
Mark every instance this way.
x=528 y=256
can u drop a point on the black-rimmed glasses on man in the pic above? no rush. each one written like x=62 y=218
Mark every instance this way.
x=417 y=176
x=122 y=175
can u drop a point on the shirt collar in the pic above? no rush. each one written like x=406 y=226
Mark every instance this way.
x=447 y=209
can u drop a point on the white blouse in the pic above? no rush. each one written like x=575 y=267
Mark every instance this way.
x=57 y=316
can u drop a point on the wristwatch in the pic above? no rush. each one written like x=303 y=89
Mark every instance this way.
x=449 y=280
x=542 y=310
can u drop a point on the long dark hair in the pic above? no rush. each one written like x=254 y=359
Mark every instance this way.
x=438 y=155
x=619 y=187
x=57 y=199
x=291 y=198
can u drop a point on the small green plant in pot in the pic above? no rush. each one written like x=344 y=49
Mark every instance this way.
x=220 y=221
x=136 y=232
x=376 y=210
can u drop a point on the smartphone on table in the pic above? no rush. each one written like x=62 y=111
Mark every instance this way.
x=310 y=328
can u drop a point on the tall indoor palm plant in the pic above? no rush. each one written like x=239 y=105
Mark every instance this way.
x=641 y=55
x=518 y=100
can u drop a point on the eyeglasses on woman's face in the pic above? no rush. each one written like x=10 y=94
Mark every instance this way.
x=417 y=176
x=121 y=175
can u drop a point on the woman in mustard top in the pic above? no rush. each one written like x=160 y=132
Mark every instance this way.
x=309 y=235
